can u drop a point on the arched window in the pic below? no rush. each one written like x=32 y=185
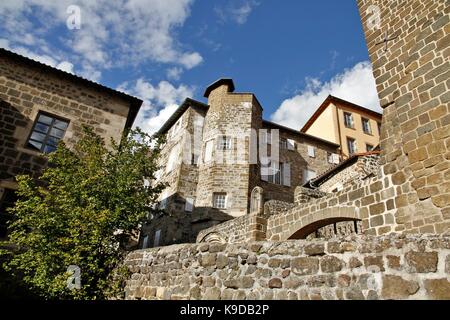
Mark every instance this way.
x=256 y=200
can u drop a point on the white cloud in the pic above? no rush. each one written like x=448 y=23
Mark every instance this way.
x=55 y=62
x=237 y=12
x=174 y=73
x=160 y=101
x=356 y=85
x=112 y=33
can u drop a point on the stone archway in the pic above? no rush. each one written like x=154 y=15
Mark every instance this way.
x=301 y=228
x=213 y=237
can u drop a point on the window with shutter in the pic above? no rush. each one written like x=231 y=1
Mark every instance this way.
x=145 y=242
x=290 y=144
x=311 y=151
x=157 y=238
x=208 y=151
x=189 y=204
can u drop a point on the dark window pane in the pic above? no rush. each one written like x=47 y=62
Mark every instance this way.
x=45 y=119
x=40 y=127
x=57 y=133
x=52 y=141
x=35 y=144
x=61 y=124
x=49 y=149
x=38 y=136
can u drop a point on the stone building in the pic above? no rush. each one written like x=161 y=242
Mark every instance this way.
x=219 y=164
x=409 y=45
x=409 y=194
x=41 y=105
x=355 y=128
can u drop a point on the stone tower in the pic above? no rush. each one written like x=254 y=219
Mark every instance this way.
x=409 y=45
x=227 y=171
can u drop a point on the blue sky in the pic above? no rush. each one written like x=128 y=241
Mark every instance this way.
x=291 y=54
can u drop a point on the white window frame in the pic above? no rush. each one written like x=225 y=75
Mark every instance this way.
x=208 y=154
x=351 y=122
x=220 y=200
x=353 y=146
x=224 y=143
x=291 y=144
x=369 y=127
x=311 y=151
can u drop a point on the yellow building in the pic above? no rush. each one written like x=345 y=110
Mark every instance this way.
x=355 y=128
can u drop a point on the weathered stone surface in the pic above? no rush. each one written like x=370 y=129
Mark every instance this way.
x=330 y=264
x=395 y=287
x=422 y=262
x=314 y=249
x=304 y=266
x=275 y=283
x=355 y=263
x=438 y=289
x=159 y=273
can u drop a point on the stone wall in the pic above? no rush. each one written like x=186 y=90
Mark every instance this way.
x=363 y=168
x=412 y=74
x=352 y=268
x=26 y=90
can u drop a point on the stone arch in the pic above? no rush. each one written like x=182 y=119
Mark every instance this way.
x=315 y=220
x=213 y=237
x=257 y=200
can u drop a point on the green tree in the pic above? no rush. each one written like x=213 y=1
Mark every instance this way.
x=83 y=211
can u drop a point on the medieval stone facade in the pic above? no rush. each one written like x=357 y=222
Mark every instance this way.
x=40 y=105
x=214 y=164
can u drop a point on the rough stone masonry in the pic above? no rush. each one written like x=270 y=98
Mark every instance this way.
x=352 y=268
x=413 y=82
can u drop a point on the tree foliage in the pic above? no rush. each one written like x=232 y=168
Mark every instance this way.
x=88 y=207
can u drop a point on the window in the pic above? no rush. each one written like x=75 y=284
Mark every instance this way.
x=266 y=136
x=348 y=120
x=145 y=242
x=332 y=158
x=277 y=173
x=369 y=147
x=220 y=200
x=351 y=145
x=224 y=143
x=283 y=144
x=366 y=126
x=157 y=238
x=311 y=152
x=189 y=205
x=308 y=175
x=194 y=159
x=47 y=132
x=208 y=151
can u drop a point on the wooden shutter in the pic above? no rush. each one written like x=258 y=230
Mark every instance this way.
x=290 y=144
